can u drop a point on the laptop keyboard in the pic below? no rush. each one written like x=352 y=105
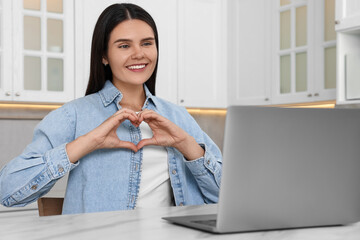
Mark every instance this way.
x=211 y=223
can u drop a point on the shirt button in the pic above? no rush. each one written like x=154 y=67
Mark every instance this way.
x=208 y=162
x=34 y=187
x=137 y=138
x=61 y=169
x=174 y=171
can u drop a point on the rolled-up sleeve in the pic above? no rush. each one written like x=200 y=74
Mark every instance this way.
x=32 y=174
x=207 y=172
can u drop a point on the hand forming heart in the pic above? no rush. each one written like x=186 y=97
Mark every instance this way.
x=165 y=133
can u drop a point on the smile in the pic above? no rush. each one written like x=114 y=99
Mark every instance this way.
x=136 y=67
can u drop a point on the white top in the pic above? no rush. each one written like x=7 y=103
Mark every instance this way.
x=155 y=189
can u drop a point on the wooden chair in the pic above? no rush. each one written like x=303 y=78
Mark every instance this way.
x=50 y=206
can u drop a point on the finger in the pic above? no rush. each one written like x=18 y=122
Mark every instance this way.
x=128 y=145
x=123 y=115
x=146 y=142
x=126 y=111
x=149 y=115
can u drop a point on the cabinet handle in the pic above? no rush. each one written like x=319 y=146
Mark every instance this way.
x=316 y=94
x=266 y=99
x=337 y=22
x=8 y=93
x=17 y=94
x=309 y=95
x=182 y=101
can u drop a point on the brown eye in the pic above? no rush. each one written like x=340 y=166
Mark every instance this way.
x=123 y=46
x=147 y=43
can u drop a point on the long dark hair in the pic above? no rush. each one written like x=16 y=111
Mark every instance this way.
x=108 y=20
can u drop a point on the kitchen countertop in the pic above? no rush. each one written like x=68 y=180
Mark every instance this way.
x=143 y=224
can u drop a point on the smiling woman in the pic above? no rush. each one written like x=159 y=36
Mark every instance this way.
x=132 y=57
x=123 y=147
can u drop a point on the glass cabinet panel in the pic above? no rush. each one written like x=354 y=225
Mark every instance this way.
x=329 y=20
x=32 y=73
x=32 y=4
x=284 y=2
x=32 y=33
x=285 y=74
x=54 y=35
x=285 y=30
x=301 y=72
x=301 y=26
x=55 y=6
x=55 y=75
x=330 y=67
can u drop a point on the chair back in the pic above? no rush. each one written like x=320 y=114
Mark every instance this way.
x=50 y=206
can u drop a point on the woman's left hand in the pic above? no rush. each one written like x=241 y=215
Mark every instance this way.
x=166 y=133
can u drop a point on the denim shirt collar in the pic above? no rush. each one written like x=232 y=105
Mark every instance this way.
x=109 y=93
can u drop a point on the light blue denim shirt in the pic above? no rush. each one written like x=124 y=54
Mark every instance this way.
x=106 y=179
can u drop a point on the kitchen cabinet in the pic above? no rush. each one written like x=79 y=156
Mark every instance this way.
x=348 y=54
x=286 y=55
x=37 y=45
x=202 y=49
x=304 y=52
x=347 y=15
x=249 y=61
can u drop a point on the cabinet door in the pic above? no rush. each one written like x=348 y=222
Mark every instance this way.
x=5 y=51
x=202 y=72
x=293 y=55
x=347 y=15
x=325 y=51
x=249 y=64
x=43 y=50
x=305 y=52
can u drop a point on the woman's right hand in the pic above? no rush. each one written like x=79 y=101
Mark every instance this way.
x=104 y=136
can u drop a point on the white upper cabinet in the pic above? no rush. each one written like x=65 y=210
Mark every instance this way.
x=304 y=54
x=249 y=44
x=286 y=52
x=5 y=51
x=202 y=53
x=348 y=54
x=38 y=51
x=347 y=15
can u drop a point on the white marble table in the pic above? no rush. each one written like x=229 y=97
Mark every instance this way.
x=143 y=224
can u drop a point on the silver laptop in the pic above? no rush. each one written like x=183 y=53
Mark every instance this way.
x=286 y=168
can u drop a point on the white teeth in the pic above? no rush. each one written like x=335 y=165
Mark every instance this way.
x=136 y=66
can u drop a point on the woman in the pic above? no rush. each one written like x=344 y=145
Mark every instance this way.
x=124 y=147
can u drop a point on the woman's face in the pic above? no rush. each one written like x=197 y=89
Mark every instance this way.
x=132 y=53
